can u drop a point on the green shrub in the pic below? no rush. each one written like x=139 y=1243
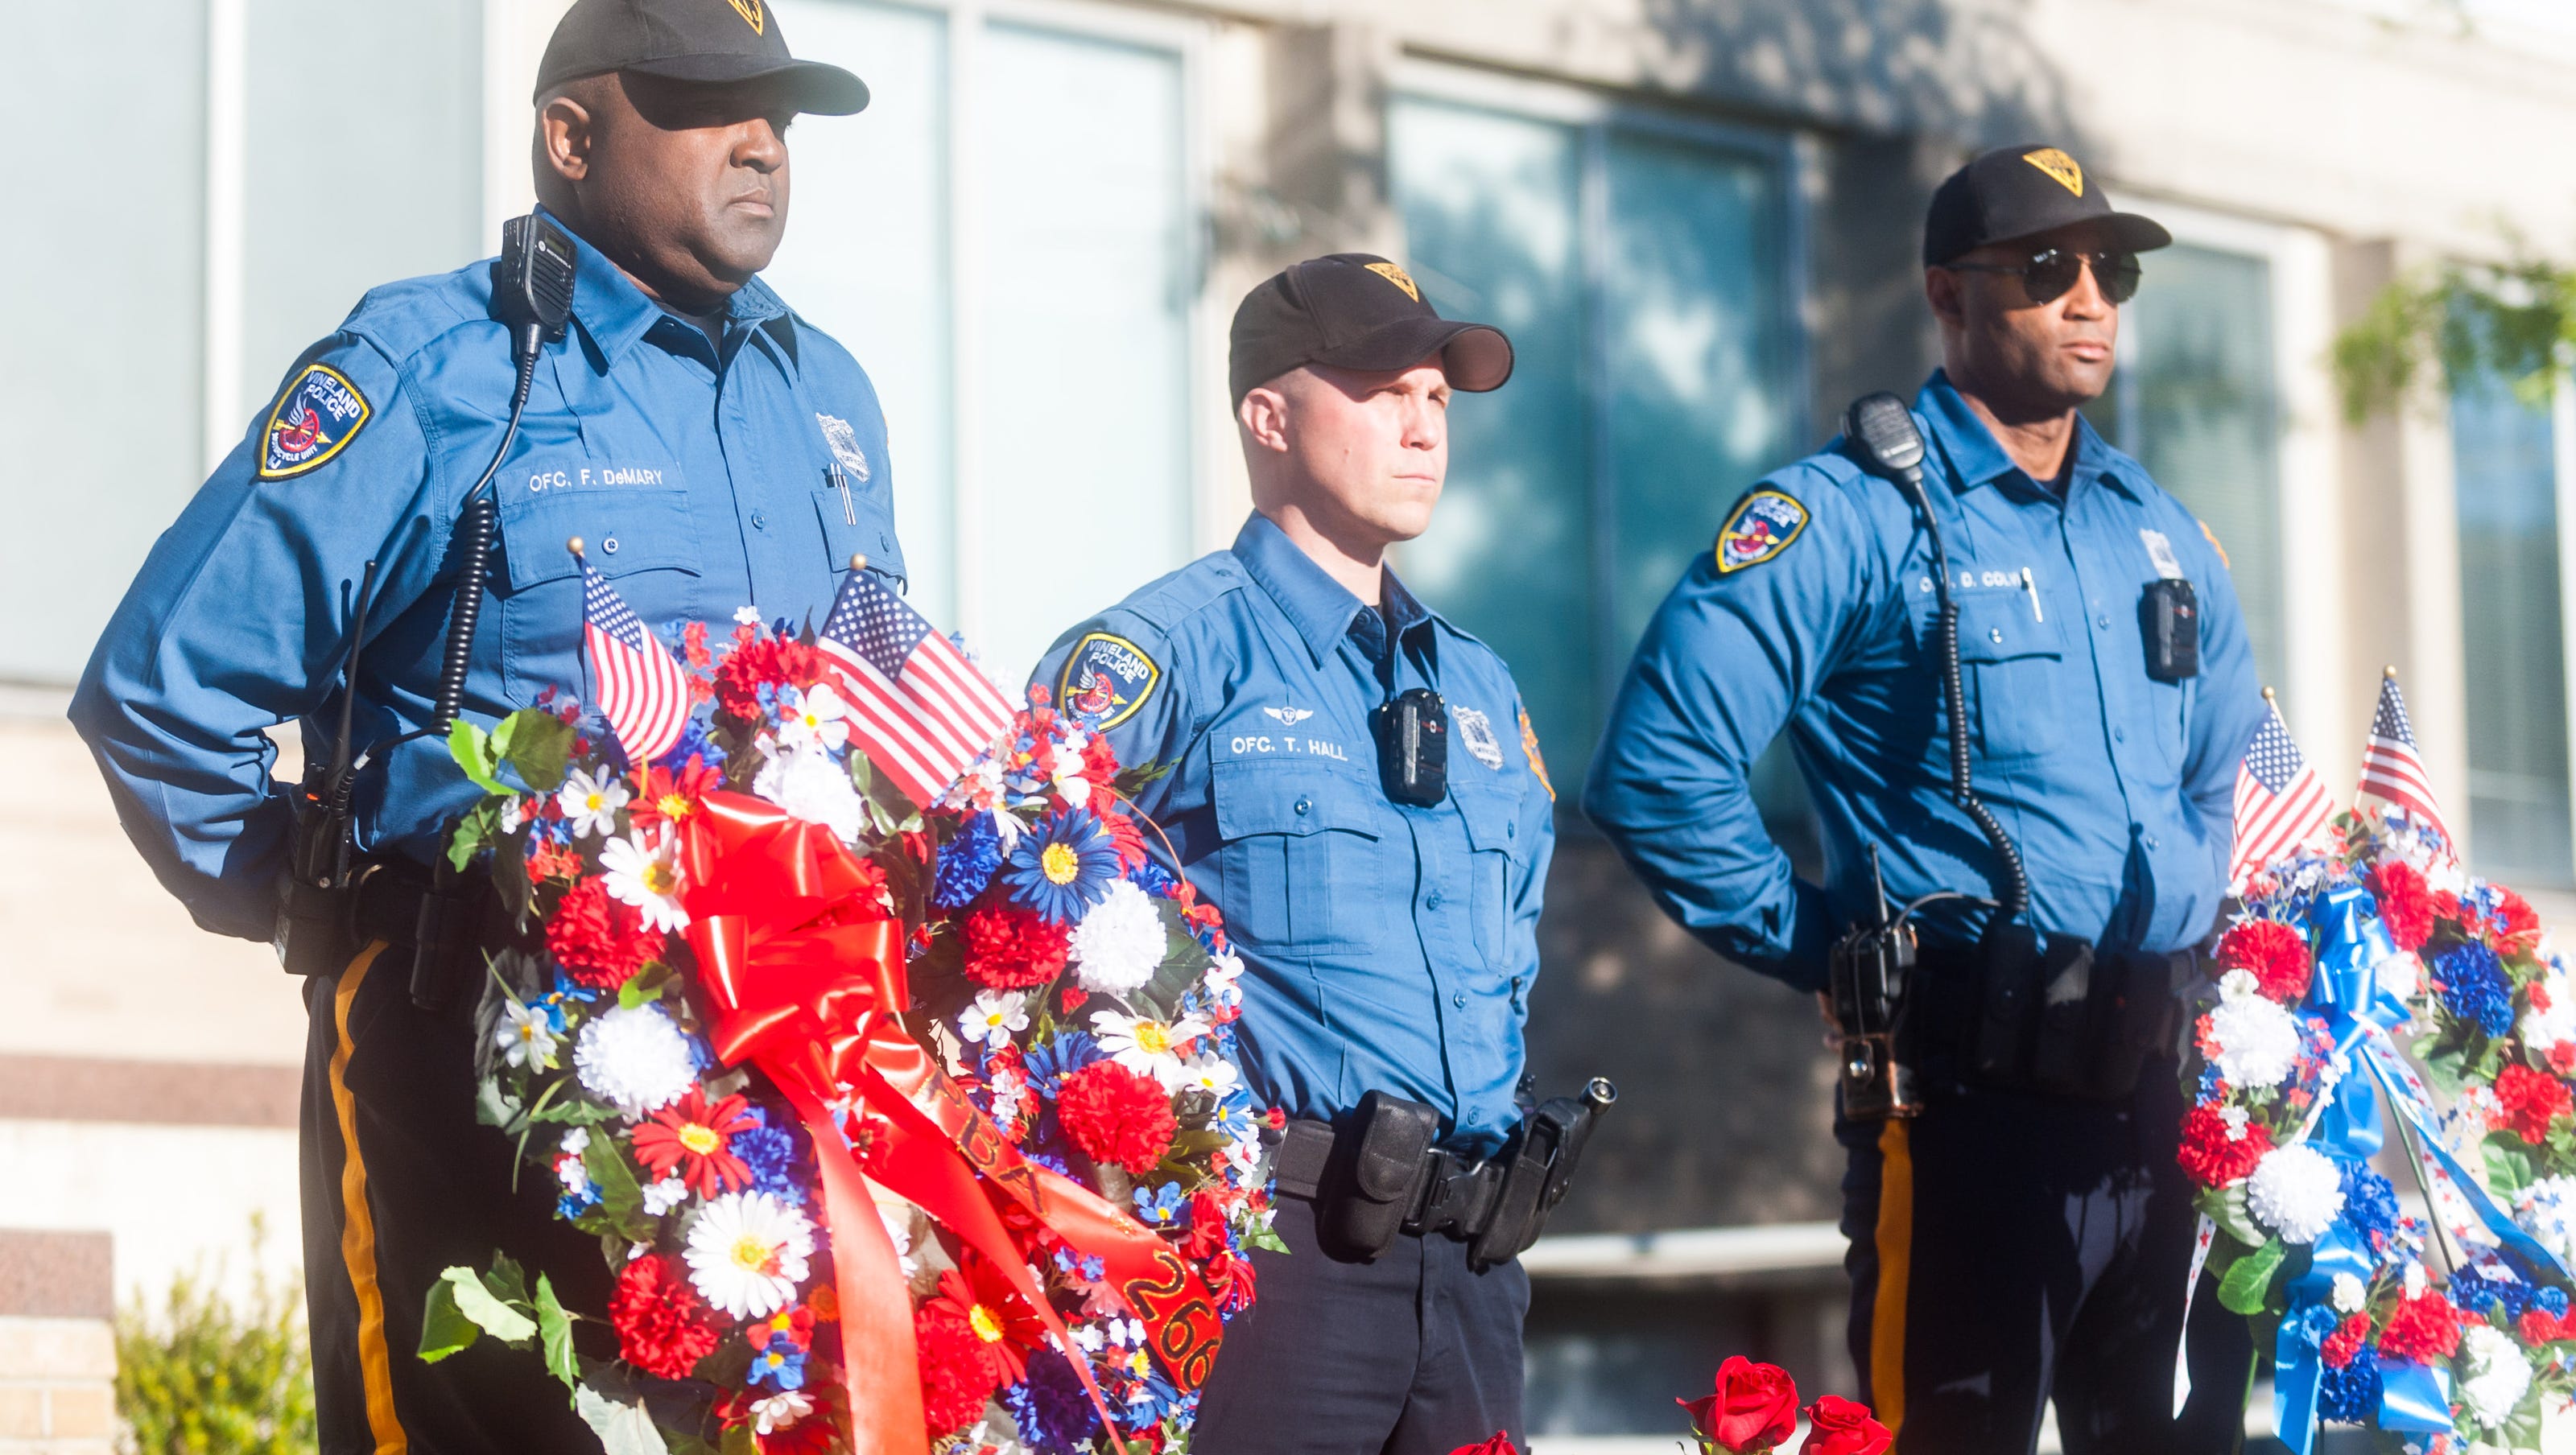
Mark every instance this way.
x=209 y=1375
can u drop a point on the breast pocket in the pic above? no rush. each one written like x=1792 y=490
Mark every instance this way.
x=640 y=537
x=1495 y=854
x=1299 y=855
x=2015 y=679
x=857 y=523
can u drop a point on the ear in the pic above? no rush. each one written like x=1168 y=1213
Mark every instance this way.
x=1945 y=290
x=1264 y=417
x=564 y=138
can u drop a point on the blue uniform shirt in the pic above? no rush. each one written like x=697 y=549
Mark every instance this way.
x=1385 y=947
x=702 y=478
x=1815 y=612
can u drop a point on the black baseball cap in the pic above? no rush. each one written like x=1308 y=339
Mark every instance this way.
x=708 y=42
x=1356 y=311
x=2018 y=192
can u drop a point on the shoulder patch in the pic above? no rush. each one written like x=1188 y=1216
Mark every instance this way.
x=2211 y=536
x=1763 y=525
x=1106 y=679
x=320 y=412
x=1529 y=748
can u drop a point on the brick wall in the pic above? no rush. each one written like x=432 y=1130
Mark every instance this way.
x=57 y=1349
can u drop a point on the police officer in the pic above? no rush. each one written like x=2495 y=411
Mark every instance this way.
x=714 y=450
x=2028 y=1233
x=1386 y=919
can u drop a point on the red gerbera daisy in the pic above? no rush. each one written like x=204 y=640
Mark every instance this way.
x=697 y=1139
x=1004 y=1326
x=663 y=796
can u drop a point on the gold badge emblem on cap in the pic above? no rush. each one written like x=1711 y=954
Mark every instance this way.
x=1400 y=278
x=2059 y=165
x=751 y=14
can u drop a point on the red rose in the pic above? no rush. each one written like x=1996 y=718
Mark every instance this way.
x=598 y=941
x=1753 y=1407
x=1837 y=1426
x=662 y=1325
x=1500 y=1444
x=2346 y=1341
x=1117 y=1115
x=2531 y=1101
x=1009 y=948
x=2423 y=1328
x=2214 y=1155
x=2275 y=954
x=2405 y=903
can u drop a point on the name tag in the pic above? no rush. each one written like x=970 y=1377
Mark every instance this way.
x=596 y=475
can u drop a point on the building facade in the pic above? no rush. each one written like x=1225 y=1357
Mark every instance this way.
x=1698 y=219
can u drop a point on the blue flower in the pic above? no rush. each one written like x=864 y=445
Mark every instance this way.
x=1234 y=1118
x=1062 y=867
x=2350 y=1395
x=1053 y=1413
x=693 y=743
x=2554 y=1300
x=1048 y=1065
x=770 y=1153
x=1161 y=1208
x=1154 y=879
x=778 y=1366
x=573 y=1204
x=2369 y=1203
x=2481 y=1287
x=967 y=863
x=2474 y=987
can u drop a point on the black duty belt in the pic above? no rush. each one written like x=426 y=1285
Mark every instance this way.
x=1442 y=1192
x=441 y=924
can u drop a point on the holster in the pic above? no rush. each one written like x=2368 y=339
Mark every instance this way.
x=2066 y=1019
x=439 y=915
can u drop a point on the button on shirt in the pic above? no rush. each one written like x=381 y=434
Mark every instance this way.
x=704 y=476
x=1386 y=947
x=2116 y=787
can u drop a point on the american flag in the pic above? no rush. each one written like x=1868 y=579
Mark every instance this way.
x=642 y=691
x=2280 y=804
x=918 y=708
x=2392 y=773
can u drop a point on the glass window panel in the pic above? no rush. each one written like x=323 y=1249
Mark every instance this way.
x=2514 y=649
x=1087 y=264
x=100 y=381
x=2195 y=404
x=1492 y=207
x=867 y=252
x=364 y=144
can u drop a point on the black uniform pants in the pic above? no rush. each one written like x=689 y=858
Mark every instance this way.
x=2006 y=1248
x=400 y=1182
x=1412 y=1354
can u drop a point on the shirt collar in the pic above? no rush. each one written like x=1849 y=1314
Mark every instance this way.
x=1977 y=459
x=616 y=313
x=1321 y=608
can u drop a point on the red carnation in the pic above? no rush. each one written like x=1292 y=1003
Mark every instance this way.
x=2424 y=1328
x=1099 y=760
x=598 y=941
x=1753 y=1407
x=1117 y=1115
x=2214 y=1154
x=776 y=662
x=2346 y=1341
x=2405 y=903
x=1837 y=1426
x=2275 y=954
x=2539 y=1326
x=662 y=1325
x=2519 y=921
x=1010 y=948
x=956 y=1378
x=2531 y=1100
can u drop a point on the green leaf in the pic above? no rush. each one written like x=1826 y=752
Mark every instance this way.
x=507 y=1280
x=475 y=1302
x=2226 y=1207
x=620 y=1196
x=536 y=743
x=494 y=1107
x=2243 y=1289
x=2508 y=1161
x=444 y=1328
x=623 y=1429
x=737 y=1438
x=471 y=747
x=554 y=1328
x=2443 y=1063
x=1260 y=1236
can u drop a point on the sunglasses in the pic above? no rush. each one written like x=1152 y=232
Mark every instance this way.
x=2051 y=271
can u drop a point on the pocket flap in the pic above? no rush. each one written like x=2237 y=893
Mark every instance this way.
x=1493 y=818
x=623 y=530
x=1273 y=796
x=1997 y=625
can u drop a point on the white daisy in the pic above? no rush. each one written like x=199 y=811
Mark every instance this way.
x=634 y=1059
x=747 y=1251
x=526 y=1036
x=746 y=616
x=2295 y=1192
x=1069 y=784
x=646 y=876
x=809 y=785
x=994 y=1018
x=1212 y=1074
x=1147 y=1046
x=815 y=716
x=590 y=804
x=1120 y=942
x=778 y=1411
